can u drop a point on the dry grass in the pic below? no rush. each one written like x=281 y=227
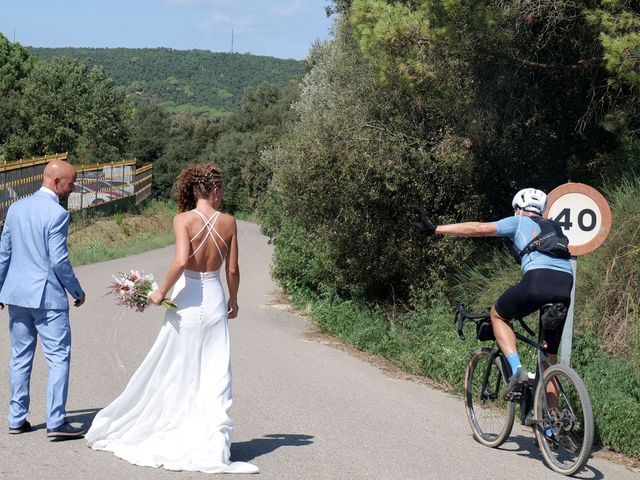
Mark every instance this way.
x=121 y=235
x=282 y=301
x=111 y=232
x=608 y=285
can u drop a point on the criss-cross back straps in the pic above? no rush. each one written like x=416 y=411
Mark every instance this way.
x=210 y=226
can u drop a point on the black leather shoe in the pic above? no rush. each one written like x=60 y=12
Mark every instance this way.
x=25 y=427
x=65 y=431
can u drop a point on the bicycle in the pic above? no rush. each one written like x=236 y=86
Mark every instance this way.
x=554 y=402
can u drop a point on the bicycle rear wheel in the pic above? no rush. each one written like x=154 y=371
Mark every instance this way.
x=490 y=416
x=565 y=430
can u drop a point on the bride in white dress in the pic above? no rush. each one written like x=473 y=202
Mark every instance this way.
x=173 y=412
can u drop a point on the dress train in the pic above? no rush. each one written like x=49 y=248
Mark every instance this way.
x=173 y=412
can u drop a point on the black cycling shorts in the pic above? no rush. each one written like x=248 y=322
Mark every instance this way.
x=537 y=287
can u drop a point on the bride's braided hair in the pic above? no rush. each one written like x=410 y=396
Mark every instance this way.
x=194 y=182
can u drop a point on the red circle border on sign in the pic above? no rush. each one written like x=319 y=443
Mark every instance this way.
x=601 y=202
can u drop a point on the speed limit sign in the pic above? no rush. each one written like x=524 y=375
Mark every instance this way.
x=585 y=218
x=583 y=214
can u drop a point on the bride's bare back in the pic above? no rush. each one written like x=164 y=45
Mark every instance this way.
x=205 y=238
x=211 y=239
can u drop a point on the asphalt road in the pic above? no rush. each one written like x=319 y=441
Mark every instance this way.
x=302 y=409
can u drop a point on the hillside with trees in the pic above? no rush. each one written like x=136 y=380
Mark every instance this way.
x=196 y=81
x=61 y=106
x=69 y=104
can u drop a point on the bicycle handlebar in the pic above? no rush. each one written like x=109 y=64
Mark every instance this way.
x=462 y=315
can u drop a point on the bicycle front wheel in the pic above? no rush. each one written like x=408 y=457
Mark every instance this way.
x=565 y=420
x=490 y=416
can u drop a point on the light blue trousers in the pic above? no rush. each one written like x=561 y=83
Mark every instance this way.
x=25 y=324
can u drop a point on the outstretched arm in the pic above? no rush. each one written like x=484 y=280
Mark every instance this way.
x=468 y=229
x=179 y=262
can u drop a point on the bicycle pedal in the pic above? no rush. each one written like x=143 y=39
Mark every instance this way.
x=513 y=396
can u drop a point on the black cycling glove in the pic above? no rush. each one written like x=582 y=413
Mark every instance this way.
x=425 y=224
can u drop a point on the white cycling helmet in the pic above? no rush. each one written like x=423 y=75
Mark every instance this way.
x=530 y=200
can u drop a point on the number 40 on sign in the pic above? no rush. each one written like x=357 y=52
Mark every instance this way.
x=583 y=214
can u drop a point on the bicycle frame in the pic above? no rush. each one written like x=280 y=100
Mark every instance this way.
x=542 y=359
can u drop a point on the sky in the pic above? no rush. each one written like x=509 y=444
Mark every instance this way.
x=277 y=28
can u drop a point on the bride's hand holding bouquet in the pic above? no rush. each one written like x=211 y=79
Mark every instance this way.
x=136 y=290
x=156 y=297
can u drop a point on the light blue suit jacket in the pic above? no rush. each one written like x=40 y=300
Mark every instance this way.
x=34 y=260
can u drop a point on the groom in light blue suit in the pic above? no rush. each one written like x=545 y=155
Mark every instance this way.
x=35 y=276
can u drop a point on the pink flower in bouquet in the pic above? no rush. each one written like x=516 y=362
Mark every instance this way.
x=132 y=290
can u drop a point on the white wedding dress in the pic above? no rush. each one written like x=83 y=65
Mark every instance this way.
x=173 y=412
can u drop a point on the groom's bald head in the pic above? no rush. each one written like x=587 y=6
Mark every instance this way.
x=59 y=176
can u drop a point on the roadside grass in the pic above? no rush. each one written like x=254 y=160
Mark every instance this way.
x=99 y=237
x=99 y=251
x=423 y=341
x=122 y=234
x=420 y=337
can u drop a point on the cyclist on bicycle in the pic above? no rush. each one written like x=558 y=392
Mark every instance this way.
x=546 y=278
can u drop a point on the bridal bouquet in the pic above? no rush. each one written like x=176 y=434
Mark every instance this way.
x=132 y=290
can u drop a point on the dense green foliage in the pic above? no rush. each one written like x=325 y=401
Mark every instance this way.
x=455 y=105
x=183 y=80
x=352 y=167
x=421 y=337
x=16 y=64
x=148 y=131
x=67 y=107
x=235 y=144
x=62 y=106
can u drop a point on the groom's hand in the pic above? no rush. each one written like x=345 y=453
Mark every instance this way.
x=79 y=301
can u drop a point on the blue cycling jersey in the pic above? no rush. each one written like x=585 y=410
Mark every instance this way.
x=521 y=230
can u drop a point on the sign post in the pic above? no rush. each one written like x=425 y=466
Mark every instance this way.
x=585 y=218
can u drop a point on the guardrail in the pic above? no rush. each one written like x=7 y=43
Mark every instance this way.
x=96 y=184
x=21 y=178
x=142 y=183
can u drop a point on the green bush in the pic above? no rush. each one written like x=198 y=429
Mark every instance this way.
x=302 y=263
x=351 y=169
x=422 y=339
x=608 y=286
x=614 y=388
